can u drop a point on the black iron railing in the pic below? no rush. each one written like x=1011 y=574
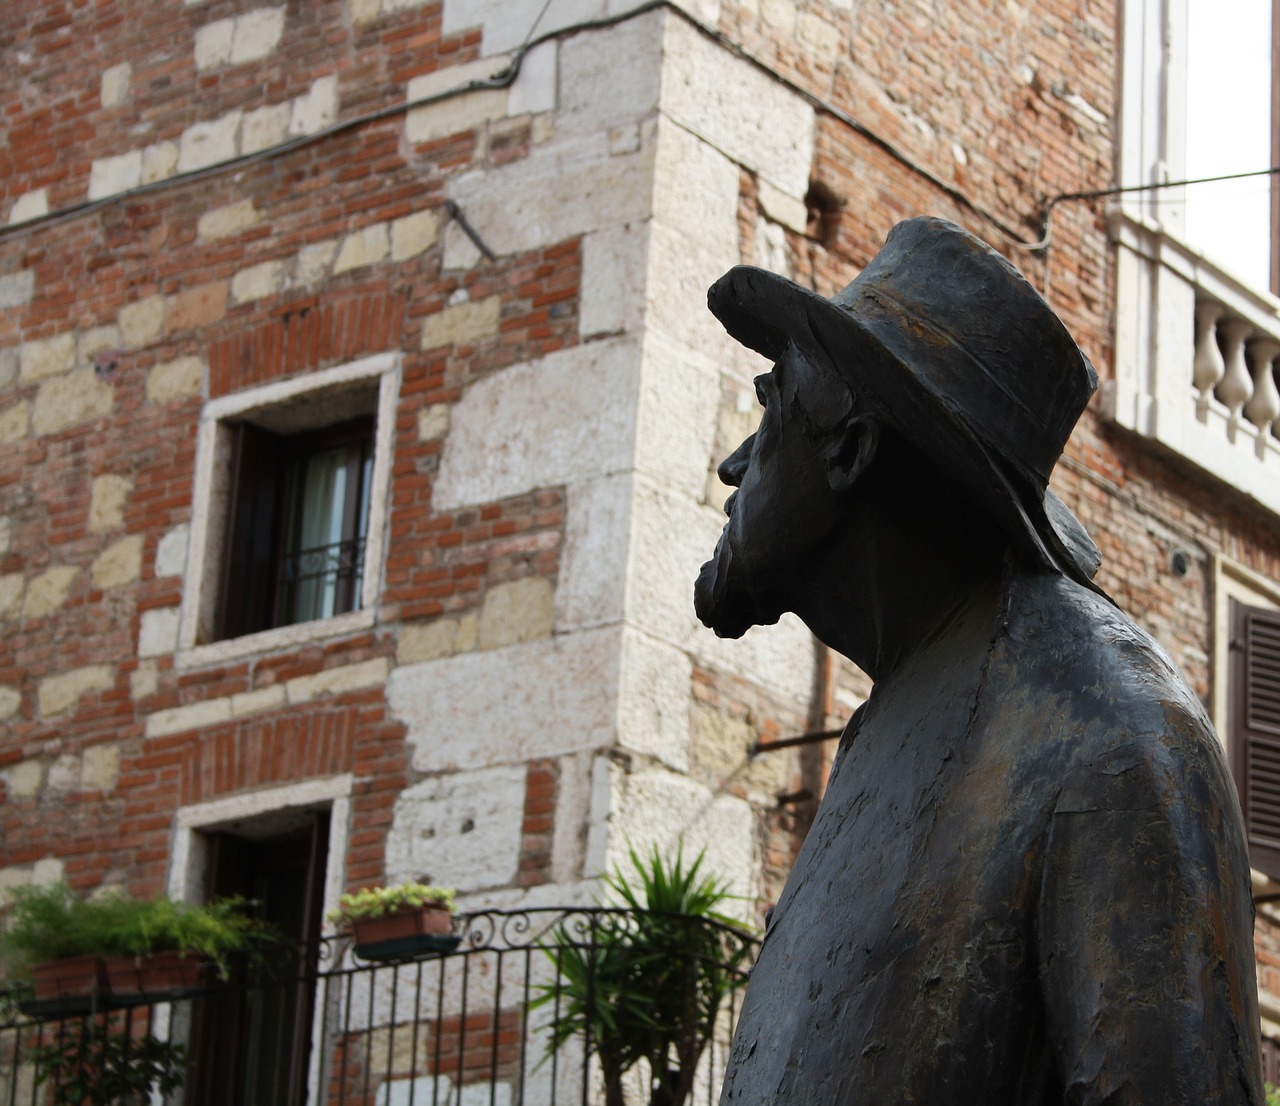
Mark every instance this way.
x=547 y=1007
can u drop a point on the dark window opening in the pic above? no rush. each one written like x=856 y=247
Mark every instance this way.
x=1254 y=725
x=298 y=524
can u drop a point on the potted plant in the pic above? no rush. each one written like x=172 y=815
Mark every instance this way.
x=117 y=946
x=642 y=985
x=394 y=922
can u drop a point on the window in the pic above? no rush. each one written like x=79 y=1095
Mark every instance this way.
x=299 y=524
x=289 y=511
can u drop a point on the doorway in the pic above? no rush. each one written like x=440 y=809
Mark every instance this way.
x=250 y=1046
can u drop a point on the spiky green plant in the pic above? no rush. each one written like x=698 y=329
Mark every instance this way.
x=646 y=982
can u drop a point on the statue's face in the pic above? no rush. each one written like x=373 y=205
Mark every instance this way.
x=783 y=506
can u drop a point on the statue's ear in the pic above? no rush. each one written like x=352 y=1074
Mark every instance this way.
x=851 y=448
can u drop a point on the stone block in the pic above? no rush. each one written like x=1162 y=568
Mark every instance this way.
x=257 y=282
x=11 y=585
x=257 y=34
x=265 y=126
x=197 y=306
x=8 y=367
x=144 y=680
x=593 y=560
x=675 y=416
x=99 y=339
x=70 y=399
x=62 y=691
x=429 y=642
x=159 y=161
x=110 y=175
x=209 y=142
x=15 y=422
x=663 y=809
x=316 y=109
x=365 y=11
x=506 y=22
x=741 y=111
x=653 y=699
x=534 y=90
x=515 y=611
x=414 y=234
x=433 y=422
x=462 y=323
x=6 y=533
x=696 y=195
x=16 y=289
x=459 y=712
x=100 y=767
x=158 y=632
x=565 y=418
x=720 y=747
x=171 y=552
x=46 y=357
x=47 y=592
x=819 y=37
x=192 y=717
x=336 y=681
x=142 y=322
x=120 y=563
x=180 y=378
x=366 y=246
x=227 y=220
x=10 y=701
x=30 y=205
x=253 y=702
x=113 y=87
x=314 y=261
x=106 y=501
x=213 y=43
x=26 y=779
x=459 y=830
x=614 y=275
x=779 y=14
x=788 y=211
x=561 y=190
x=457 y=113
x=611 y=77
x=64 y=774
x=460 y=252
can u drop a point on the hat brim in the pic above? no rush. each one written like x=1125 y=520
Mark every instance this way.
x=765 y=312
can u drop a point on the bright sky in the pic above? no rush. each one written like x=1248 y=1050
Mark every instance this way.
x=1228 y=131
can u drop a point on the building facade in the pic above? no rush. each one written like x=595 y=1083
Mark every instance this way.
x=359 y=414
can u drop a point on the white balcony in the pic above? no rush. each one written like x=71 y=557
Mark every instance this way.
x=1196 y=359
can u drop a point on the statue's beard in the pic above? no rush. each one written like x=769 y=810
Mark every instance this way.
x=722 y=604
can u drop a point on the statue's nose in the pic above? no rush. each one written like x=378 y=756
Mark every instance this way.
x=732 y=467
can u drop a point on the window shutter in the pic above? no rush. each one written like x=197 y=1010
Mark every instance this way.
x=1255 y=743
x=254 y=533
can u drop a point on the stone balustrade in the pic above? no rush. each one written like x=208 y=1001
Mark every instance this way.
x=1197 y=353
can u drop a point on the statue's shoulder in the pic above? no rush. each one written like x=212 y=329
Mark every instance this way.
x=1107 y=687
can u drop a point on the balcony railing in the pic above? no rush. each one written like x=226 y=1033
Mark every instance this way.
x=498 y=1021
x=1196 y=360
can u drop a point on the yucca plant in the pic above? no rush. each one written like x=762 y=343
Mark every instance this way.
x=645 y=983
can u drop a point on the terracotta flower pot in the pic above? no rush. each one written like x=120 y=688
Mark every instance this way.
x=74 y=977
x=428 y=919
x=159 y=973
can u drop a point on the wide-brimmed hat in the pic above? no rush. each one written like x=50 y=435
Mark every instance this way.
x=964 y=357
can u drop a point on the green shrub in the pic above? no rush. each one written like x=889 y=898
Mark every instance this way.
x=51 y=923
x=377 y=902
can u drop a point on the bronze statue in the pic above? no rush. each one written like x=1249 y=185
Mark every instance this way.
x=1027 y=882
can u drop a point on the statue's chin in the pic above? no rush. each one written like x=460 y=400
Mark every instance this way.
x=721 y=607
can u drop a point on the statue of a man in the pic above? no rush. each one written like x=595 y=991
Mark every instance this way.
x=1027 y=882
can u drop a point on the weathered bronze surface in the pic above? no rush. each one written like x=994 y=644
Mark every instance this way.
x=1027 y=882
